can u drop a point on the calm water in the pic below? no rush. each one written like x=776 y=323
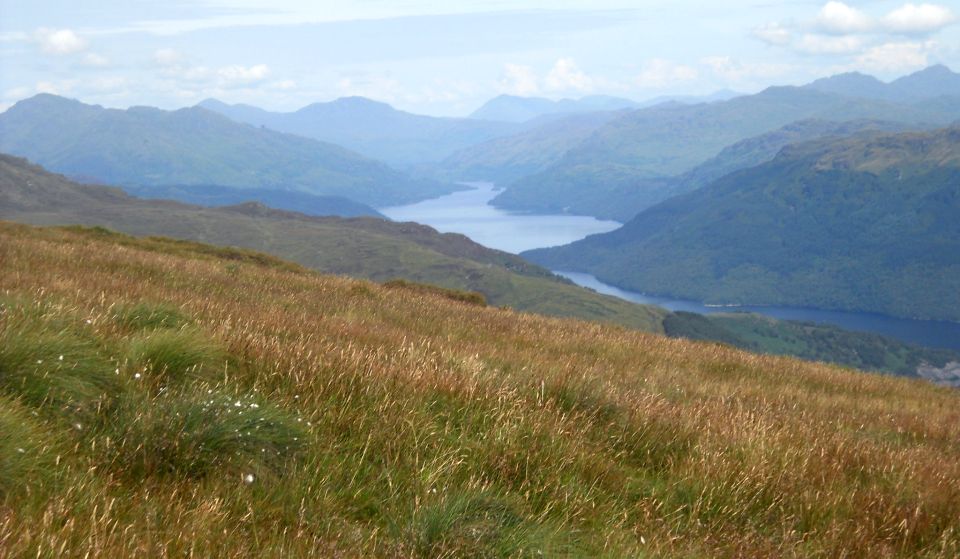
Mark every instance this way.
x=468 y=212
x=931 y=333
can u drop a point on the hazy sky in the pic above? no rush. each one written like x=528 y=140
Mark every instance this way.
x=448 y=57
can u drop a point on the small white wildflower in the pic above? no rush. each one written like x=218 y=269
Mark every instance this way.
x=89 y=321
x=39 y=361
x=78 y=426
x=237 y=404
x=254 y=406
x=21 y=451
x=248 y=478
x=643 y=540
x=137 y=375
x=116 y=371
x=61 y=358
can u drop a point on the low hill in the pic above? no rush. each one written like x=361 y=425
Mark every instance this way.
x=177 y=399
x=213 y=195
x=149 y=147
x=868 y=223
x=372 y=128
x=360 y=247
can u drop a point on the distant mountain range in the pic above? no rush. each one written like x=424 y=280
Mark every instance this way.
x=935 y=81
x=623 y=160
x=628 y=200
x=372 y=128
x=512 y=108
x=144 y=146
x=866 y=223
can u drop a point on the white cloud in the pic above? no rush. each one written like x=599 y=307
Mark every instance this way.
x=283 y=85
x=380 y=88
x=95 y=60
x=47 y=87
x=18 y=93
x=167 y=57
x=519 y=80
x=819 y=44
x=896 y=57
x=733 y=71
x=237 y=75
x=839 y=18
x=773 y=34
x=59 y=41
x=923 y=18
x=659 y=73
x=566 y=75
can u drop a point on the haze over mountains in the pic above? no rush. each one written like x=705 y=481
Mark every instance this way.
x=664 y=142
x=144 y=146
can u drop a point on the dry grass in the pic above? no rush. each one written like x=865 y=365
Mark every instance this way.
x=427 y=427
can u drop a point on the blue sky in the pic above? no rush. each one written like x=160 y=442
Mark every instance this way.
x=448 y=58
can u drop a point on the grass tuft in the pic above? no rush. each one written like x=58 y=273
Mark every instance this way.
x=143 y=316
x=174 y=356
x=27 y=461
x=193 y=436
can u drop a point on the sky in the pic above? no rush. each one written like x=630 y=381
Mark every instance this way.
x=447 y=58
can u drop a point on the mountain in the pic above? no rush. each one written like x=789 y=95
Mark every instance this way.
x=213 y=195
x=512 y=108
x=866 y=223
x=362 y=247
x=627 y=159
x=156 y=395
x=624 y=203
x=504 y=160
x=372 y=128
x=144 y=146
x=929 y=83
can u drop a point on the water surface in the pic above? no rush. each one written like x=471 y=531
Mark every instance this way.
x=932 y=333
x=470 y=213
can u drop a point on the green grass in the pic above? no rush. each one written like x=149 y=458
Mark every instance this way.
x=400 y=423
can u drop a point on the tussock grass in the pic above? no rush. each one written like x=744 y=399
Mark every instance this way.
x=48 y=366
x=399 y=424
x=27 y=453
x=194 y=435
x=144 y=316
x=166 y=356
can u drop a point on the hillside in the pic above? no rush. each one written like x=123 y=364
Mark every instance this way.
x=865 y=223
x=628 y=157
x=213 y=195
x=158 y=395
x=372 y=128
x=625 y=202
x=362 y=247
x=150 y=147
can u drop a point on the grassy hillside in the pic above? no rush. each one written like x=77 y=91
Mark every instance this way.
x=625 y=161
x=146 y=146
x=865 y=223
x=363 y=247
x=167 y=399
